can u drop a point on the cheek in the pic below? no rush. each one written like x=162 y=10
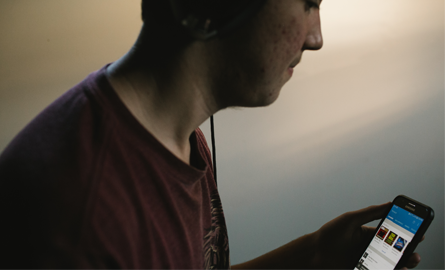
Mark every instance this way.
x=295 y=37
x=292 y=37
x=287 y=40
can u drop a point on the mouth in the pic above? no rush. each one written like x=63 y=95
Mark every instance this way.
x=291 y=67
x=295 y=63
x=290 y=70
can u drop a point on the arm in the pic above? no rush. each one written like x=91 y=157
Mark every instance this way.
x=337 y=244
x=297 y=254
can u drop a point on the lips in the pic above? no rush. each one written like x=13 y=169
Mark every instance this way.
x=290 y=70
x=295 y=63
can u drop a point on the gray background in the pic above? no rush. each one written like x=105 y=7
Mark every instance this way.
x=360 y=122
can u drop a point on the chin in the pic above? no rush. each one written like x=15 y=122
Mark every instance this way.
x=271 y=99
x=256 y=98
x=272 y=96
x=263 y=101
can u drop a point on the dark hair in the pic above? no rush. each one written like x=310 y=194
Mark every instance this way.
x=156 y=9
x=198 y=17
x=158 y=18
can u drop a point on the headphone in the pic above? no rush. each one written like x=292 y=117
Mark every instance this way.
x=205 y=19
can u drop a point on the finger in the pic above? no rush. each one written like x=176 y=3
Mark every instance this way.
x=368 y=229
x=368 y=232
x=366 y=235
x=370 y=213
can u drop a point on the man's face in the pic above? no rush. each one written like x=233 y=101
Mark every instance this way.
x=256 y=61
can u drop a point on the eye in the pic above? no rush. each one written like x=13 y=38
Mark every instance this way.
x=311 y=4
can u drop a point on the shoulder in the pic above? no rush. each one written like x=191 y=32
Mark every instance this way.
x=57 y=132
x=42 y=172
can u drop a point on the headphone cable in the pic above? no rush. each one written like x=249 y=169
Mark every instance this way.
x=212 y=130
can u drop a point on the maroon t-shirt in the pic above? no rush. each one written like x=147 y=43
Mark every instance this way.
x=84 y=185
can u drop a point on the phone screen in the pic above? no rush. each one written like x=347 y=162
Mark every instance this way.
x=391 y=240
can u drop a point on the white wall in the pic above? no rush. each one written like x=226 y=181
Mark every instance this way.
x=360 y=122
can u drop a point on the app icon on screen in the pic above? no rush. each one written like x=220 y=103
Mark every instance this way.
x=390 y=238
x=400 y=244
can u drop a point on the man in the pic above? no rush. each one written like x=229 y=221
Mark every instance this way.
x=116 y=174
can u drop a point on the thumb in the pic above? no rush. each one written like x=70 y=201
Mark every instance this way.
x=370 y=213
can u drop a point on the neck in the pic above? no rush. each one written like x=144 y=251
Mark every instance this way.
x=169 y=98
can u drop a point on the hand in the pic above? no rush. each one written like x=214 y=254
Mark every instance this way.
x=341 y=241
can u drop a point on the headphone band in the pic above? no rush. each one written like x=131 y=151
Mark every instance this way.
x=204 y=19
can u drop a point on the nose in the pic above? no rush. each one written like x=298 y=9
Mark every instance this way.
x=314 y=38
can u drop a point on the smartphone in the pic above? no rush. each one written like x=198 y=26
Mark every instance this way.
x=397 y=235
